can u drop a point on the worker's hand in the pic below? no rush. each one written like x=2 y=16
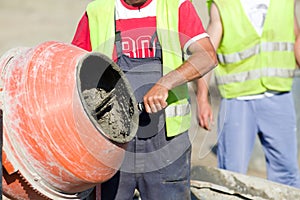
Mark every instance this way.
x=205 y=115
x=155 y=98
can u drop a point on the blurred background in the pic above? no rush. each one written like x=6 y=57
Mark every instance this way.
x=28 y=23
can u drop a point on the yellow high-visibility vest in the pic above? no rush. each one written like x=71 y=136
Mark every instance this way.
x=102 y=34
x=250 y=63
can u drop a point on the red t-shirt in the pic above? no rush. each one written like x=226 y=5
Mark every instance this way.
x=138 y=24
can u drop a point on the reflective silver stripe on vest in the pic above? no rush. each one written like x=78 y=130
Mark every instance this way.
x=264 y=47
x=178 y=110
x=255 y=74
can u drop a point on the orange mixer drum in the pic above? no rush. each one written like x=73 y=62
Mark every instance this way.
x=67 y=117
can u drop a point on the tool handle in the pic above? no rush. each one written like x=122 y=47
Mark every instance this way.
x=141 y=106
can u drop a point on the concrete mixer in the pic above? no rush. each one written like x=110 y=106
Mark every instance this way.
x=67 y=116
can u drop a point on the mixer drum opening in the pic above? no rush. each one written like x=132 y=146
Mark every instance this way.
x=107 y=98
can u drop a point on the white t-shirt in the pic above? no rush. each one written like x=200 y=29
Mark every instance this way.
x=256 y=10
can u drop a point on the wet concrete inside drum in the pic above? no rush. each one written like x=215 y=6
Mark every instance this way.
x=107 y=98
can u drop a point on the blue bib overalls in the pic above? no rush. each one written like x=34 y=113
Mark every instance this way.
x=157 y=166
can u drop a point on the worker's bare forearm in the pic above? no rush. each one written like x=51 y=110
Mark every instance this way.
x=297 y=48
x=297 y=42
x=202 y=60
x=202 y=91
x=297 y=51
